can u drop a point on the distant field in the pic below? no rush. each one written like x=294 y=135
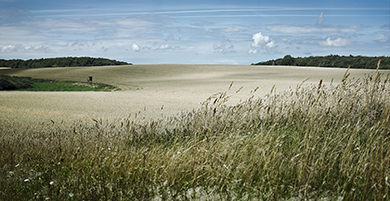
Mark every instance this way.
x=150 y=91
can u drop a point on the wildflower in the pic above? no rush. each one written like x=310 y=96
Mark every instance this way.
x=17 y=165
x=51 y=183
x=11 y=173
x=71 y=195
x=26 y=180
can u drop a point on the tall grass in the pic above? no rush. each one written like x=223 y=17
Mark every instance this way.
x=314 y=141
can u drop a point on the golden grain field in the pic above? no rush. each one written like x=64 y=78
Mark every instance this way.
x=149 y=91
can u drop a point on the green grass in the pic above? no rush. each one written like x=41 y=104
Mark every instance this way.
x=313 y=142
x=14 y=83
x=29 y=84
x=68 y=86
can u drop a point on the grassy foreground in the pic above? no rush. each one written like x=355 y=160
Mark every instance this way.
x=330 y=142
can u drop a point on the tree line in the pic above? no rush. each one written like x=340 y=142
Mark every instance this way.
x=335 y=61
x=59 y=62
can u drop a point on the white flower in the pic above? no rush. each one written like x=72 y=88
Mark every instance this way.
x=26 y=180
x=71 y=194
x=17 y=165
x=51 y=183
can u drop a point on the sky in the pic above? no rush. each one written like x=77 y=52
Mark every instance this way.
x=193 y=32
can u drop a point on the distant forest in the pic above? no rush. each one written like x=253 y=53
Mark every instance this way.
x=335 y=61
x=59 y=62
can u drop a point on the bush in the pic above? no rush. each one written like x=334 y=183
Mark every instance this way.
x=14 y=83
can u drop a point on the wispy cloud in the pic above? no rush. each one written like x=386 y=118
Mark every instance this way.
x=167 y=47
x=24 y=48
x=320 y=18
x=298 y=29
x=318 y=27
x=225 y=47
x=197 y=11
x=188 y=32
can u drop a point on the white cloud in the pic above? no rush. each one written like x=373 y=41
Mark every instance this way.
x=271 y=44
x=252 y=51
x=296 y=29
x=264 y=42
x=338 y=42
x=11 y=48
x=167 y=47
x=259 y=40
x=135 y=47
x=24 y=48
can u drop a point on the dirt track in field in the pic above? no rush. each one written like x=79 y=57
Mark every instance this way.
x=149 y=91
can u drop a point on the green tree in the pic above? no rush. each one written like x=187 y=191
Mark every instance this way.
x=287 y=60
x=333 y=61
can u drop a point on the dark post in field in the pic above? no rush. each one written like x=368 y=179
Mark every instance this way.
x=89 y=81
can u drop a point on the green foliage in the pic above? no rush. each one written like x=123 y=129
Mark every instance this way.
x=287 y=60
x=14 y=83
x=332 y=61
x=28 y=84
x=61 y=86
x=59 y=62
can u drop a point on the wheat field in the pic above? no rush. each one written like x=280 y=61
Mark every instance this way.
x=150 y=91
x=189 y=132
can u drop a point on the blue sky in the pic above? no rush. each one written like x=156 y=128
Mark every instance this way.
x=193 y=32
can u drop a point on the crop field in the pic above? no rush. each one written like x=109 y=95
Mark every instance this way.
x=198 y=132
x=150 y=91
